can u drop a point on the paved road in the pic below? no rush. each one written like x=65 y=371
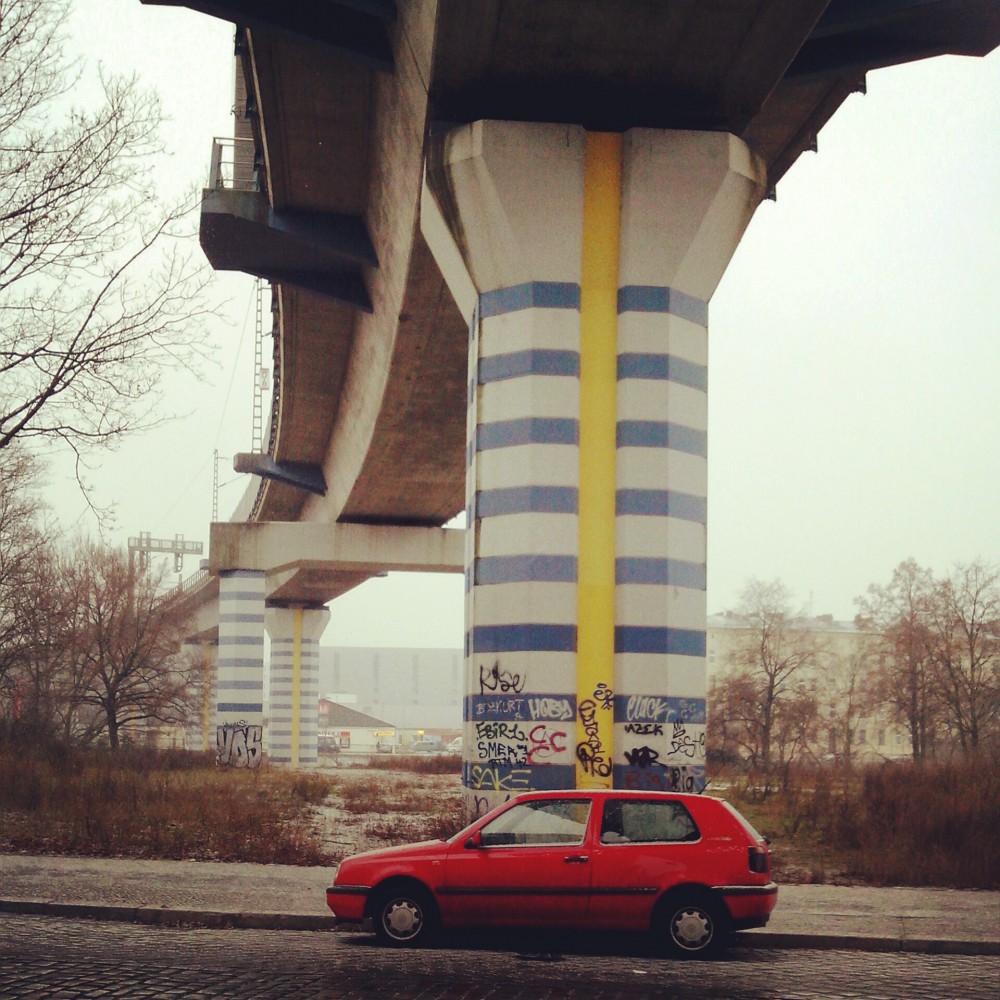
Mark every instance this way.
x=44 y=958
x=283 y=897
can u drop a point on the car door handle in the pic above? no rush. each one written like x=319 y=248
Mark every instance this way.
x=576 y=859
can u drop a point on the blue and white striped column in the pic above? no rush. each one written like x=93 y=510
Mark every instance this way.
x=586 y=264
x=686 y=199
x=295 y=633
x=239 y=714
x=523 y=463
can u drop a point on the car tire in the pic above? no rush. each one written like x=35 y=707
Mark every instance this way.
x=404 y=916
x=691 y=926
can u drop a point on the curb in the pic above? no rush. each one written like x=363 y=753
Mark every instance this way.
x=847 y=942
x=171 y=917
x=274 y=921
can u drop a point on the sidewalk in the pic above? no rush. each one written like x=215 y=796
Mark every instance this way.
x=192 y=893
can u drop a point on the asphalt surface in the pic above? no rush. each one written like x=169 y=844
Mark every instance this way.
x=280 y=897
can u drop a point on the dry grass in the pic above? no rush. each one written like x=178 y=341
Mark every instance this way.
x=176 y=805
x=896 y=824
x=160 y=805
x=892 y=824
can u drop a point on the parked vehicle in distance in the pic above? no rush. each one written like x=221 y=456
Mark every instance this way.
x=424 y=746
x=687 y=869
x=455 y=746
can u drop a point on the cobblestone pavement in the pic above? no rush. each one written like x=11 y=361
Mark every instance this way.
x=44 y=958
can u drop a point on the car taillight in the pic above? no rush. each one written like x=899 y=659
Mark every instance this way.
x=758 y=860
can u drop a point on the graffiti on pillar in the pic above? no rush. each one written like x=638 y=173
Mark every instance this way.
x=682 y=742
x=642 y=757
x=495 y=679
x=239 y=744
x=590 y=752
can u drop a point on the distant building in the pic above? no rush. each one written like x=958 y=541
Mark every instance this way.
x=343 y=728
x=839 y=644
x=418 y=689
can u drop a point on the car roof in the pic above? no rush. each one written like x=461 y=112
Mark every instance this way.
x=604 y=793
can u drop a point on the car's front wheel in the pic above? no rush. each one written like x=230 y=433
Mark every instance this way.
x=692 y=926
x=404 y=915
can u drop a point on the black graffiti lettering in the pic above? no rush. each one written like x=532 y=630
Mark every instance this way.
x=590 y=752
x=681 y=742
x=502 y=753
x=496 y=679
x=644 y=728
x=642 y=757
x=500 y=731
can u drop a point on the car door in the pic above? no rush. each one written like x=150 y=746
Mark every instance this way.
x=645 y=846
x=529 y=866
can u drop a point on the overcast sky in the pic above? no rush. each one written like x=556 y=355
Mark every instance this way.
x=854 y=348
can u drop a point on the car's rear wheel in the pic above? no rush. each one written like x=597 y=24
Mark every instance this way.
x=691 y=926
x=404 y=915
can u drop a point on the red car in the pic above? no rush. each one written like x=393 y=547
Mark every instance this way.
x=688 y=869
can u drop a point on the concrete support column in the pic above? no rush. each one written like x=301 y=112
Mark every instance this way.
x=686 y=200
x=239 y=714
x=201 y=735
x=294 y=685
x=585 y=263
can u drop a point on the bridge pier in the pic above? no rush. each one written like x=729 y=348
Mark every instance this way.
x=585 y=262
x=239 y=715
x=294 y=686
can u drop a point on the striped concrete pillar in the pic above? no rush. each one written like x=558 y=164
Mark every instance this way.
x=686 y=199
x=590 y=259
x=295 y=633
x=201 y=733
x=523 y=455
x=239 y=713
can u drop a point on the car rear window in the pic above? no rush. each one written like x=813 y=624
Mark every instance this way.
x=635 y=821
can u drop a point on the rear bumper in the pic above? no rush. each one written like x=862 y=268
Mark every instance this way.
x=749 y=905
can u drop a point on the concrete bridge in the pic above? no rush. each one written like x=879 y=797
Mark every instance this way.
x=493 y=228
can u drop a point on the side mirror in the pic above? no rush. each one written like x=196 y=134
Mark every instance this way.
x=474 y=842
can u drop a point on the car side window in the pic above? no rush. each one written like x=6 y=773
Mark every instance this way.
x=627 y=821
x=541 y=822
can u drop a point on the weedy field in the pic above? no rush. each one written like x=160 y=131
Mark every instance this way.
x=897 y=824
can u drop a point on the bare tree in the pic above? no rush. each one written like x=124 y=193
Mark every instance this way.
x=127 y=644
x=899 y=613
x=20 y=539
x=965 y=649
x=97 y=293
x=769 y=702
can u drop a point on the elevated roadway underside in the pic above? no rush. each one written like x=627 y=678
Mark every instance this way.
x=371 y=350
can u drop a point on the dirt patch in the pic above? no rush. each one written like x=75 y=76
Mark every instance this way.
x=371 y=808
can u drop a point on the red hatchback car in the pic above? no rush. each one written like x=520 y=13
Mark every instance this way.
x=688 y=869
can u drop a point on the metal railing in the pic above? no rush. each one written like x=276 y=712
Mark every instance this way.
x=234 y=165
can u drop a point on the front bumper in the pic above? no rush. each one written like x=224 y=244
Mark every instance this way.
x=348 y=902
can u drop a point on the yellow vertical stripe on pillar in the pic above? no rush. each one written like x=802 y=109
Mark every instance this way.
x=206 y=696
x=296 y=684
x=598 y=385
